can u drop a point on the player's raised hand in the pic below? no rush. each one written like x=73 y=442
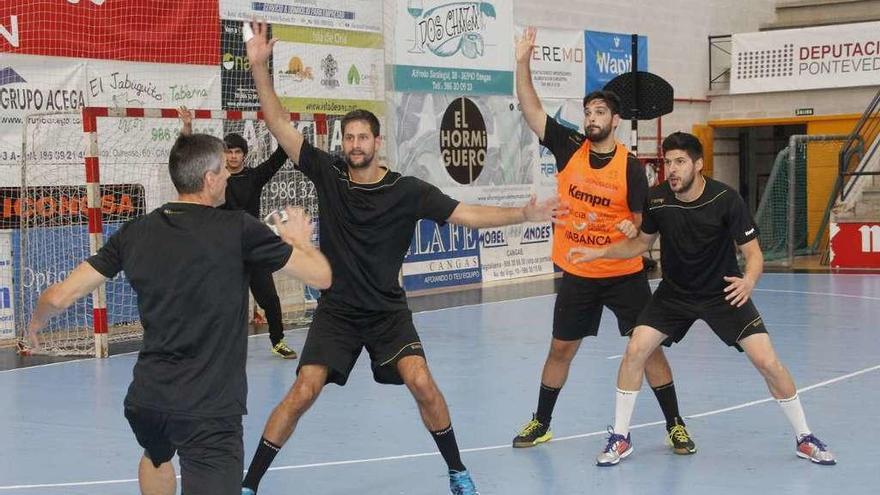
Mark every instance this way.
x=186 y=117
x=525 y=44
x=259 y=47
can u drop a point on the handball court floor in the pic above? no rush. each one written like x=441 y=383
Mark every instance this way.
x=62 y=430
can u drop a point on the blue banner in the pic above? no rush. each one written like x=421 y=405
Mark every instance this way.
x=442 y=256
x=609 y=55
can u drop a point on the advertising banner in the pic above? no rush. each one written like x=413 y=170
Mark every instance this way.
x=353 y=15
x=806 y=58
x=610 y=55
x=558 y=63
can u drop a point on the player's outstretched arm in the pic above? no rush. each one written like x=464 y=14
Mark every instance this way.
x=529 y=103
x=628 y=248
x=259 y=49
x=81 y=282
x=479 y=216
x=306 y=263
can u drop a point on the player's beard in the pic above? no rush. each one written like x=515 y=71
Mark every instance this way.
x=685 y=184
x=600 y=134
x=366 y=162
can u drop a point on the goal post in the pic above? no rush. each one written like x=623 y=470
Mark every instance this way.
x=83 y=175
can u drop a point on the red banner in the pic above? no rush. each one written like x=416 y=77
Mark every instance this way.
x=855 y=245
x=167 y=31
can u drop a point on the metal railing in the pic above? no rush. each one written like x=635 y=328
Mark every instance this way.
x=719 y=61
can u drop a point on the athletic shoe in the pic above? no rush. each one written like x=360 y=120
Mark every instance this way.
x=810 y=447
x=678 y=438
x=283 y=350
x=618 y=447
x=460 y=483
x=532 y=433
x=247 y=491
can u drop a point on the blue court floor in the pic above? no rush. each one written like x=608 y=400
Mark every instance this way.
x=62 y=429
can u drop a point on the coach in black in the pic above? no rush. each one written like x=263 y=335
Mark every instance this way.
x=701 y=222
x=243 y=192
x=189 y=264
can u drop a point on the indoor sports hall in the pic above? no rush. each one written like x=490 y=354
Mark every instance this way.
x=159 y=160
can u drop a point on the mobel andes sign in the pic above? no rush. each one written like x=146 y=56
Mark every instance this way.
x=837 y=56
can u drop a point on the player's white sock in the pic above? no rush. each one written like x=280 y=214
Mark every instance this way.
x=624 y=404
x=795 y=414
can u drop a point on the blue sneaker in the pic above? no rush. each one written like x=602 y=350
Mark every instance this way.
x=460 y=483
x=247 y=491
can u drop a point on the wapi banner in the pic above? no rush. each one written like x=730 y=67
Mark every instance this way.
x=442 y=256
x=456 y=47
x=610 y=55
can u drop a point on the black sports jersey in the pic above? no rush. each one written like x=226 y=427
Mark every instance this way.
x=243 y=189
x=366 y=229
x=697 y=238
x=189 y=265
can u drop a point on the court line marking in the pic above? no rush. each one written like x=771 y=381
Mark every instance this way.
x=488 y=303
x=475 y=449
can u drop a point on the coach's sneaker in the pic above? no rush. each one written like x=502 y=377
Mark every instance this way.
x=460 y=483
x=810 y=447
x=532 y=433
x=678 y=438
x=282 y=349
x=247 y=491
x=618 y=447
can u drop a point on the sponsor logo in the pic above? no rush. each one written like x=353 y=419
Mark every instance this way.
x=431 y=238
x=9 y=76
x=492 y=238
x=452 y=28
x=536 y=234
x=586 y=197
x=67 y=205
x=463 y=140
x=750 y=231
x=543 y=53
x=298 y=71
x=235 y=62
x=330 y=67
x=588 y=239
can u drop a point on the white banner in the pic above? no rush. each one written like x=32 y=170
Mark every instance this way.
x=114 y=83
x=31 y=84
x=558 y=63
x=356 y=15
x=810 y=58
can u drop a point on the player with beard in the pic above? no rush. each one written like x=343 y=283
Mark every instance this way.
x=699 y=221
x=368 y=217
x=604 y=187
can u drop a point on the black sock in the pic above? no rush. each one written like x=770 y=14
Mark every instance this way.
x=263 y=458
x=445 y=439
x=668 y=404
x=546 y=402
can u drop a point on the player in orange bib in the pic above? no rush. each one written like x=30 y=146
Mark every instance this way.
x=604 y=187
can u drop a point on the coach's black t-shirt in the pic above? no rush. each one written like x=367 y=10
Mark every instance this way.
x=243 y=189
x=189 y=265
x=697 y=238
x=366 y=229
x=564 y=142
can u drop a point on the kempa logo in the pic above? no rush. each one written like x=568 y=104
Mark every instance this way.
x=330 y=67
x=586 y=197
x=452 y=28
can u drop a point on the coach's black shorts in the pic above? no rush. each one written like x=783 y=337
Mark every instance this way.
x=672 y=313
x=579 y=303
x=336 y=338
x=210 y=449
